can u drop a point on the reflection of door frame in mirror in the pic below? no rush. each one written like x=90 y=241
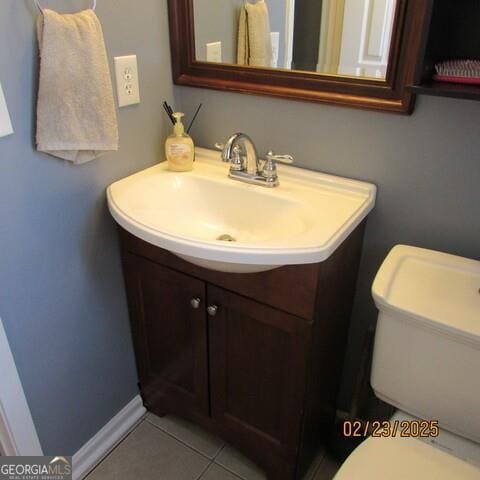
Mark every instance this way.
x=289 y=32
x=366 y=50
x=389 y=95
x=331 y=30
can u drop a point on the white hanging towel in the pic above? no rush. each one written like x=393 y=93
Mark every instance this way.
x=254 y=39
x=76 y=117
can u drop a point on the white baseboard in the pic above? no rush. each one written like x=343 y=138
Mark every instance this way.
x=18 y=435
x=107 y=438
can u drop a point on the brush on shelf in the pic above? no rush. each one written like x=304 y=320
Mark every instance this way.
x=458 y=71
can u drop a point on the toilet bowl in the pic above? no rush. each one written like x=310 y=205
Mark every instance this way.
x=426 y=362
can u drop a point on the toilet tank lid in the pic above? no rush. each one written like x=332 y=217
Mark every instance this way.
x=436 y=289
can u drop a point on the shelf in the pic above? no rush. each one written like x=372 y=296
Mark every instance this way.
x=453 y=90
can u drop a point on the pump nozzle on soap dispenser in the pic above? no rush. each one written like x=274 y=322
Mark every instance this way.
x=179 y=147
x=178 y=127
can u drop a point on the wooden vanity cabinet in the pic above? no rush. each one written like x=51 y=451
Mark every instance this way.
x=262 y=369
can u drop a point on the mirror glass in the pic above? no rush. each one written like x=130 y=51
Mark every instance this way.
x=329 y=37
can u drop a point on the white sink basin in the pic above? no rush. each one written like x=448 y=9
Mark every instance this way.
x=302 y=221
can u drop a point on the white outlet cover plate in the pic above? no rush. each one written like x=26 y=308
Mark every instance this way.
x=126 y=72
x=214 y=52
x=5 y=123
x=275 y=47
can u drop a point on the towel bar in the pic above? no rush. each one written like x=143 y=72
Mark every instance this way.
x=37 y=3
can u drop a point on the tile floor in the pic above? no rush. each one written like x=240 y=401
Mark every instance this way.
x=172 y=449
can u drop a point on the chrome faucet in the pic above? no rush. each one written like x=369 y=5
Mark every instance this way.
x=245 y=164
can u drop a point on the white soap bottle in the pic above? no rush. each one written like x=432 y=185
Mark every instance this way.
x=179 y=147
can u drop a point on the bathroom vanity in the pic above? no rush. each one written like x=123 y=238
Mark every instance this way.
x=256 y=358
x=247 y=337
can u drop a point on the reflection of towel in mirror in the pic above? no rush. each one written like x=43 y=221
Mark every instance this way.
x=254 y=40
x=76 y=118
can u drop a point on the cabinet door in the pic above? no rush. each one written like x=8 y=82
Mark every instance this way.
x=258 y=358
x=167 y=312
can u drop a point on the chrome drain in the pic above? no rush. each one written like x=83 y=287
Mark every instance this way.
x=226 y=238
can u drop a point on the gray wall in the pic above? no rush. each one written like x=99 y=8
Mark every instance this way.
x=61 y=293
x=426 y=166
x=217 y=21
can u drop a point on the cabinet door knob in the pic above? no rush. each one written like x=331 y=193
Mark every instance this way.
x=212 y=310
x=195 y=303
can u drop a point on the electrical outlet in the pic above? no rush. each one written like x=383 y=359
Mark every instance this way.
x=5 y=123
x=275 y=47
x=214 y=52
x=126 y=71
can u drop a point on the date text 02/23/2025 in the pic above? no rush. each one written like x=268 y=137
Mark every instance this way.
x=401 y=428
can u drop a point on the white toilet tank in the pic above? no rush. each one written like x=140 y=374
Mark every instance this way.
x=427 y=346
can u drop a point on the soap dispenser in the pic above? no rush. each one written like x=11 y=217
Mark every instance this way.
x=179 y=147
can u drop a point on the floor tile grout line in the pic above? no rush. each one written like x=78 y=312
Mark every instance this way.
x=132 y=429
x=183 y=442
x=227 y=468
x=205 y=470
x=236 y=475
x=230 y=471
x=219 y=451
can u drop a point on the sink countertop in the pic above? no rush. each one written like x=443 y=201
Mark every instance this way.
x=303 y=220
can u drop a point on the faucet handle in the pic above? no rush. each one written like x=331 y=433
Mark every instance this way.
x=270 y=156
x=237 y=162
x=269 y=170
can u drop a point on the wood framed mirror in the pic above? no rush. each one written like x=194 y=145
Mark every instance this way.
x=380 y=38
